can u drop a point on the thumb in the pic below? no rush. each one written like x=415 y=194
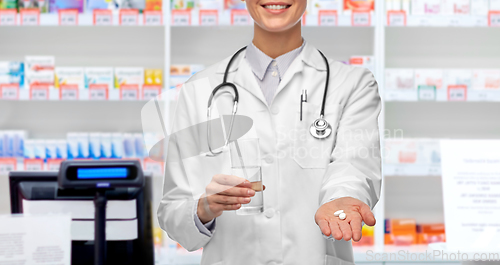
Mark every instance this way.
x=367 y=215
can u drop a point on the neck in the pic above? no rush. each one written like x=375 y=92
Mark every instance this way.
x=275 y=44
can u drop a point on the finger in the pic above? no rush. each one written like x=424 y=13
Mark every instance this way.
x=230 y=180
x=217 y=208
x=334 y=226
x=346 y=229
x=231 y=207
x=222 y=199
x=367 y=215
x=323 y=226
x=356 y=227
x=229 y=190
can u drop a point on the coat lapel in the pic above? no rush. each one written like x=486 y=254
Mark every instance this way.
x=310 y=57
x=241 y=74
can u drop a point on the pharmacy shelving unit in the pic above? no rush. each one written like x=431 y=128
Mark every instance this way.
x=442 y=42
x=81 y=46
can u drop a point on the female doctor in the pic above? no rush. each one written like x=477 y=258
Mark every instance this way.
x=306 y=179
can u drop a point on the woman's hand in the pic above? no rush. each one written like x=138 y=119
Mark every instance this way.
x=356 y=211
x=223 y=193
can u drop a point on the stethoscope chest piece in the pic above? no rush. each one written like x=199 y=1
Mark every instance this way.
x=320 y=129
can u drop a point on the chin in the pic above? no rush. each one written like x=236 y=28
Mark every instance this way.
x=276 y=26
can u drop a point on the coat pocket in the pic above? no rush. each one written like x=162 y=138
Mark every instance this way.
x=309 y=151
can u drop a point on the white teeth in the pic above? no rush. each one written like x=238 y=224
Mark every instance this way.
x=275 y=7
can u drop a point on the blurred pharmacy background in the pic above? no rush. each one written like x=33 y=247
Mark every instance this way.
x=75 y=74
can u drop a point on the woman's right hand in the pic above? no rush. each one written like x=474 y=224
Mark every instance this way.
x=223 y=193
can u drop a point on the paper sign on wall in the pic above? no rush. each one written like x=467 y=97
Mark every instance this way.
x=471 y=185
x=35 y=239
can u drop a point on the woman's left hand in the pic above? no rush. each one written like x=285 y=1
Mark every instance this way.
x=350 y=228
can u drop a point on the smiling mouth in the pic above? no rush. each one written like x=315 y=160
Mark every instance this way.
x=276 y=7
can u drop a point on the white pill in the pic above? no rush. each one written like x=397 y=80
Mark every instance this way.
x=342 y=216
x=337 y=213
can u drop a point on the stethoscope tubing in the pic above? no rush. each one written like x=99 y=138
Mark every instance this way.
x=225 y=83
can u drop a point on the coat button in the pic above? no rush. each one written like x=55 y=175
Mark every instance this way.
x=275 y=110
x=269 y=159
x=269 y=213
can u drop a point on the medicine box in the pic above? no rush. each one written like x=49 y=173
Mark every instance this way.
x=129 y=76
x=116 y=145
x=400 y=151
x=399 y=79
x=95 y=145
x=12 y=143
x=39 y=70
x=56 y=5
x=153 y=77
x=42 y=5
x=98 y=4
x=99 y=76
x=105 y=143
x=453 y=77
x=425 y=7
x=429 y=77
x=154 y=5
x=39 y=78
x=8 y=4
x=358 y=5
x=317 y=5
x=479 y=7
x=230 y=4
x=209 y=4
x=495 y=5
x=12 y=79
x=486 y=79
x=130 y=4
x=455 y=7
x=11 y=67
x=39 y=63
x=428 y=152
x=69 y=76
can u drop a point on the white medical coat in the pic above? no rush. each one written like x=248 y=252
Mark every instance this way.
x=300 y=172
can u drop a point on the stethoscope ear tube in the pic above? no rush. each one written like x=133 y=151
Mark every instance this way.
x=209 y=115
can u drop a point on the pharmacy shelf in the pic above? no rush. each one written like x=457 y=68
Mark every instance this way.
x=196 y=17
x=87 y=19
x=17 y=164
x=193 y=18
x=441 y=95
x=83 y=94
x=398 y=20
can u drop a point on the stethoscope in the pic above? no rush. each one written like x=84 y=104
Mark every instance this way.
x=319 y=129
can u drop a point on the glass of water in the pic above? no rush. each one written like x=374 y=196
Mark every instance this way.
x=245 y=163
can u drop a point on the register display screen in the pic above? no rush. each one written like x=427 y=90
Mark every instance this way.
x=93 y=173
x=102 y=173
